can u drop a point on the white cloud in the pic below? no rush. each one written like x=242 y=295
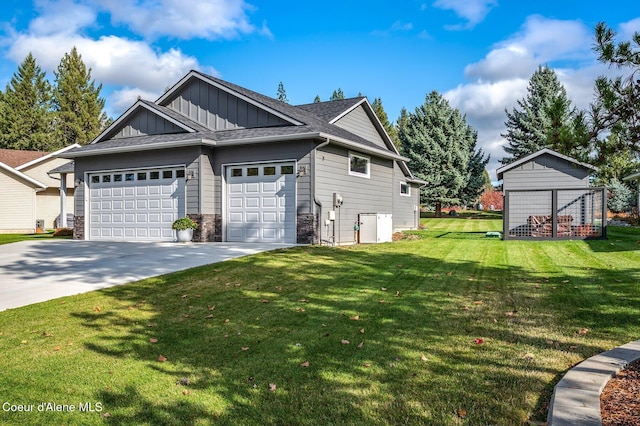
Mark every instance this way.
x=628 y=28
x=473 y=11
x=397 y=26
x=61 y=17
x=208 y=19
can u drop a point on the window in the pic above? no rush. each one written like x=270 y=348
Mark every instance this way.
x=167 y=174
x=95 y=179
x=180 y=173
x=106 y=178
x=286 y=170
x=405 y=189
x=358 y=165
x=117 y=178
x=142 y=175
x=236 y=172
x=154 y=175
x=129 y=177
x=269 y=171
x=252 y=171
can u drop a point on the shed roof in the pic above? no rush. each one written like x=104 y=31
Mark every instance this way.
x=500 y=172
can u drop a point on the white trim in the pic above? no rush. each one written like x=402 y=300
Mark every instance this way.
x=22 y=176
x=366 y=175
x=207 y=80
x=136 y=148
x=408 y=193
x=46 y=157
x=347 y=111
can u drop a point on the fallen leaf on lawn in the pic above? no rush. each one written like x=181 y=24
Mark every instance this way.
x=69 y=343
x=583 y=331
x=381 y=301
x=362 y=331
x=344 y=342
x=96 y=308
x=392 y=364
x=449 y=273
x=478 y=341
x=573 y=347
x=618 y=281
x=324 y=325
x=162 y=359
x=465 y=308
x=383 y=289
x=361 y=344
x=187 y=316
x=279 y=287
x=299 y=309
x=477 y=302
x=397 y=294
x=355 y=318
x=226 y=321
x=23 y=342
x=244 y=348
x=184 y=296
x=511 y=313
x=197 y=296
x=57 y=348
x=211 y=308
x=139 y=305
x=237 y=284
x=305 y=364
x=186 y=392
x=423 y=357
x=367 y=364
x=153 y=340
x=106 y=415
x=470 y=279
x=209 y=316
x=45 y=334
x=265 y=300
x=272 y=386
x=528 y=356
x=564 y=281
x=303 y=301
x=462 y=413
x=399 y=266
x=151 y=325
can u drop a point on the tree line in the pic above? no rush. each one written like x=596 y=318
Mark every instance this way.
x=38 y=115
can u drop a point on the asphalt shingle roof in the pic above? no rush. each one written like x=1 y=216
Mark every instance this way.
x=17 y=157
x=331 y=109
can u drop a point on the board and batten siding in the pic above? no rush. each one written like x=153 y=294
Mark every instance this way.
x=298 y=151
x=18 y=204
x=189 y=156
x=359 y=194
x=359 y=123
x=546 y=172
x=144 y=122
x=405 y=207
x=219 y=110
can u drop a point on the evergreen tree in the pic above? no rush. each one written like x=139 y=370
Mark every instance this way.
x=477 y=182
x=282 y=94
x=401 y=122
x=317 y=100
x=440 y=144
x=337 y=95
x=26 y=120
x=77 y=100
x=619 y=198
x=384 y=119
x=542 y=119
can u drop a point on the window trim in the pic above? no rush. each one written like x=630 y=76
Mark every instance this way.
x=408 y=193
x=367 y=174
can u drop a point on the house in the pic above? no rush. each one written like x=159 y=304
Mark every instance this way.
x=246 y=167
x=29 y=193
x=547 y=195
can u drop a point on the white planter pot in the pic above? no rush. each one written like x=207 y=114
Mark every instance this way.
x=184 y=235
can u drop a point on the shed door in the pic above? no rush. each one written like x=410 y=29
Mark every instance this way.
x=261 y=205
x=135 y=204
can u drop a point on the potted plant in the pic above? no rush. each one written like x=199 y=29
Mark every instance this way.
x=184 y=228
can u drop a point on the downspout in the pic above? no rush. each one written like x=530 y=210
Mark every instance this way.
x=313 y=188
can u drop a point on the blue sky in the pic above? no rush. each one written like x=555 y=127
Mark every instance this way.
x=479 y=54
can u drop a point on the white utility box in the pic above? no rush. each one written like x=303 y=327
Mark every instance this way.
x=375 y=228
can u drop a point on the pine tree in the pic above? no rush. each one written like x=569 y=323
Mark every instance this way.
x=282 y=94
x=542 y=119
x=477 y=182
x=440 y=144
x=77 y=101
x=26 y=120
x=317 y=100
x=384 y=119
x=337 y=95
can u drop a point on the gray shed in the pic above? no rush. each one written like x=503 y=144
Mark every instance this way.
x=547 y=196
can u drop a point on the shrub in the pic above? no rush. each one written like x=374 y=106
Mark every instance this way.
x=184 y=223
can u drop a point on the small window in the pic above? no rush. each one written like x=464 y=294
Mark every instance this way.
x=269 y=171
x=129 y=177
x=180 y=173
x=154 y=175
x=358 y=165
x=405 y=189
x=142 y=175
x=167 y=174
x=106 y=178
x=95 y=179
x=252 y=171
x=236 y=172
x=117 y=178
x=286 y=170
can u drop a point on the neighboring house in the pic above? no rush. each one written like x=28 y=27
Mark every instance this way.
x=547 y=195
x=245 y=166
x=30 y=194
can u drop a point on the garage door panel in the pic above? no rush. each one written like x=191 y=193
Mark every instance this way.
x=129 y=192
x=235 y=202
x=252 y=217
x=118 y=192
x=154 y=204
x=252 y=202
x=236 y=217
x=252 y=188
x=269 y=202
x=270 y=217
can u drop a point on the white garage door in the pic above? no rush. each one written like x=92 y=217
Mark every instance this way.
x=135 y=204
x=261 y=205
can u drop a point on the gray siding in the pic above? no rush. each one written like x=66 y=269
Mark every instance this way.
x=405 y=215
x=207 y=182
x=144 y=122
x=294 y=150
x=546 y=172
x=218 y=110
x=359 y=123
x=360 y=195
x=144 y=159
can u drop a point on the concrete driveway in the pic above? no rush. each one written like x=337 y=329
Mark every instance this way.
x=39 y=270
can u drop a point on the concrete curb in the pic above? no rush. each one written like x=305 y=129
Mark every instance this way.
x=576 y=397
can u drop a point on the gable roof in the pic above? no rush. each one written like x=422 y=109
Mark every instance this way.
x=47 y=156
x=17 y=157
x=39 y=186
x=331 y=110
x=67 y=167
x=500 y=172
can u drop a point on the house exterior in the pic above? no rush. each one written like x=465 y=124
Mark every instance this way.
x=548 y=195
x=30 y=194
x=245 y=166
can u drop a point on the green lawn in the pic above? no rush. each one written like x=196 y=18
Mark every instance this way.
x=14 y=238
x=446 y=327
